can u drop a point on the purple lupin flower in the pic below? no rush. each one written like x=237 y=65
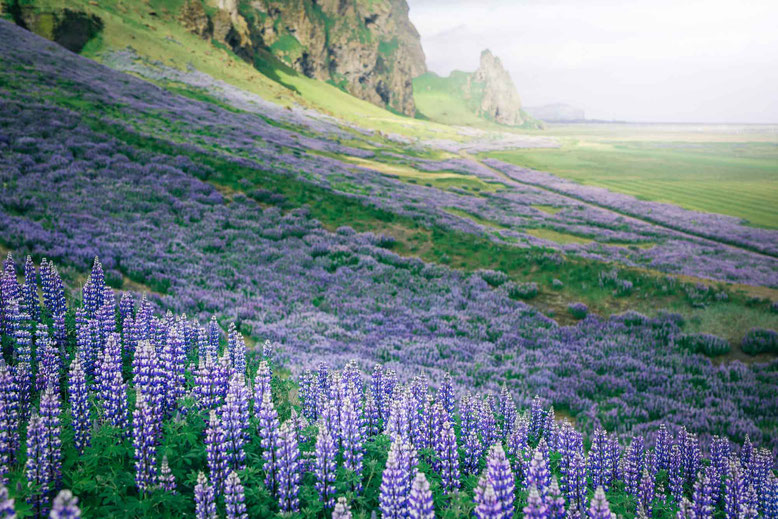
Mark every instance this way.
x=7 y=510
x=473 y=452
x=393 y=498
x=633 y=465
x=167 y=481
x=30 y=302
x=50 y=416
x=308 y=391
x=507 y=412
x=53 y=288
x=646 y=491
x=576 y=483
x=261 y=383
x=400 y=423
x=539 y=475
x=662 y=446
x=537 y=418
x=234 y=497
x=702 y=498
x=94 y=289
x=554 y=501
x=614 y=455
x=288 y=456
x=216 y=453
x=9 y=419
x=174 y=365
x=325 y=467
x=341 y=510
x=448 y=457
x=79 y=405
x=126 y=306
x=111 y=387
x=487 y=505
x=769 y=502
x=351 y=433
x=235 y=414
x=236 y=345
x=148 y=377
x=536 y=508
x=692 y=455
x=48 y=359
x=599 y=508
x=420 y=499
x=675 y=473
x=499 y=475
x=213 y=336
x=268 y=434
x=144 y=440
x=599 y=460
x=372 y=425
x=65 y=506
x=735 y=489
x=446 y=394
x=205 y=499
x=205 y=389
x=487 y=424
x=36 y=466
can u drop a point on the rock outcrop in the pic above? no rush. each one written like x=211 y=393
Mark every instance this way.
x=70 y=28
x=369 y=48
x=500 y=100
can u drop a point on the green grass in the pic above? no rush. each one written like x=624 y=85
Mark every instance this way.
x=548 y=209
x=563 y=238
x=442 y=99
x=737 y=178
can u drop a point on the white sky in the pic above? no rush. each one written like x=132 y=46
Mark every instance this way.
x=637 y=60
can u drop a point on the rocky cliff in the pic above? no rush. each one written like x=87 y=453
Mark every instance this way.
x=468 y=98
x=500 y=100
x=369 y=48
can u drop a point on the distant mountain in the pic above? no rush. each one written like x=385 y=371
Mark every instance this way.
x=556 y=112
x=487 y=95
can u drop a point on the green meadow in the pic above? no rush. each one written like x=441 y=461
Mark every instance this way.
x=721 y=173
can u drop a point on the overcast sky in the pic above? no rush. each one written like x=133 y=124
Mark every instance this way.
x=637 y=60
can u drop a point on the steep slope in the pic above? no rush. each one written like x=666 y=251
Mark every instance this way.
x=368 y=48
x=193 y=36
x=485 y=96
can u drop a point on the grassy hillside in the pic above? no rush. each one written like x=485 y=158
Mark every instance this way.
x=151 y=29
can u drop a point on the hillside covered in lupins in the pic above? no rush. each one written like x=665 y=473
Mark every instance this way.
x=110 y=409
x=230 y=290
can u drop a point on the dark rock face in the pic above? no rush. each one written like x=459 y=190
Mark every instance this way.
x=369 y=48
x=69 y=28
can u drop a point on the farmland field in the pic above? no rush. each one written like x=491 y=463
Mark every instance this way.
x=716 y=171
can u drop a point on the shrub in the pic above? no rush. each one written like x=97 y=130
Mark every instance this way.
x=495 y=278
x=522 y=290
x=578 y=310
x=705 y=343
x=759 y=340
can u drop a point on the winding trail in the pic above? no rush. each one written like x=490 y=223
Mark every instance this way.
x=507 y=178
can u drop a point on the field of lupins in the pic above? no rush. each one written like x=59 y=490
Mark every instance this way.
x=107 y=410
x=325 y=372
